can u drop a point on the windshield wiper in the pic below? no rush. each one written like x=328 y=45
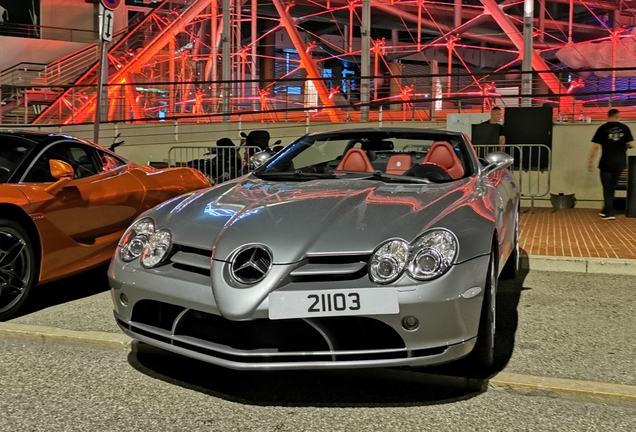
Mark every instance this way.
x=295 y=175
x=379 y=175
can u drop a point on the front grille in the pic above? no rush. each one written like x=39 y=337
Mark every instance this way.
x=264 y=340
x=337 y=259
x=331 y=268
x=191 y=259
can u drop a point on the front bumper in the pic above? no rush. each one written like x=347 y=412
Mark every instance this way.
x=177 y=312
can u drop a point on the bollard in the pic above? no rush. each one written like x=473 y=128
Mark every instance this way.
x=630 y=205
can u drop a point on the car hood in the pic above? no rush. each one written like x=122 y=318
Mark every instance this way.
x=322 y=217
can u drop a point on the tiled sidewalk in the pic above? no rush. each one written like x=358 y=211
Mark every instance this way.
x=576 y=233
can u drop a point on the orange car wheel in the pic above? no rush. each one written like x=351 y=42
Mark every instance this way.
x=17 y=268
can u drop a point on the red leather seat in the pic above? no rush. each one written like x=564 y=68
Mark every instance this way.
x=443 y=154
x=355 y=159
x=398 y=164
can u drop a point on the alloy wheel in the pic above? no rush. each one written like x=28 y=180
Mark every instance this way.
x=16 y=268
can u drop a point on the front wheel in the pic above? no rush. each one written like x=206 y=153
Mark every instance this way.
x=17 y=268
x=483 y=354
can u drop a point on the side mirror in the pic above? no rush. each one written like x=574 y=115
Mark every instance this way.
x=63 y=172
x=496 y=161
x=277 y=142
x=260 y=158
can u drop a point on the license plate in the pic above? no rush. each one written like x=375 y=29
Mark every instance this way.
x=344 y=302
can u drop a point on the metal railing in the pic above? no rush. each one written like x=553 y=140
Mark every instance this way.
x=65 y=70
x=136 y=98
x=219 y=164
x=22 y=74
x=532 y=167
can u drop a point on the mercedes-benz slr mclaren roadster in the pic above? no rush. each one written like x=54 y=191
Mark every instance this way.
x=346 y=249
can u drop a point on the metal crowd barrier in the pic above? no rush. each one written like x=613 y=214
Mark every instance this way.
x=532 y=167
x=219 y=164
x=532 y=163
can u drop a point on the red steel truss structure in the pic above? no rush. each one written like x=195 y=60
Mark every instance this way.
x=338 y=60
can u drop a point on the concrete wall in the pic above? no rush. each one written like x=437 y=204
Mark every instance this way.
x=67 y=25
x=570 y=155
x=68 y=14
x=14 y=50
x=152 y=142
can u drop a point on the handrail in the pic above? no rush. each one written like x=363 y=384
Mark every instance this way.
x=65 y=71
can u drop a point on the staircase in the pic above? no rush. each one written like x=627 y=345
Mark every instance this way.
x=27 y=87
x=127 y=58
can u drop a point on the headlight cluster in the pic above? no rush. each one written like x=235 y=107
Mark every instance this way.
x=142 y=241
x=428 y=257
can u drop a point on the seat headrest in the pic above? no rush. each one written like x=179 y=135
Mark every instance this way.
x=442 y=153
x=355 y=160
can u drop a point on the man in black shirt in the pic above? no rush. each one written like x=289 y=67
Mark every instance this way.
x=613 y=139
x=496 y=114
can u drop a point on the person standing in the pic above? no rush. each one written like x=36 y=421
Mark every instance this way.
x=496 y=114
x=612 y=139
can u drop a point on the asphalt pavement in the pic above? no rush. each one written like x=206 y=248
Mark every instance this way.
x=74 y=388
x=571 y=334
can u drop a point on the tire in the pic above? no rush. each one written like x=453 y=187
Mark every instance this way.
x=511 y=268
x=18 y=270
x=483 y=354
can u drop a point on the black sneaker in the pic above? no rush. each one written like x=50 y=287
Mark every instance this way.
x=608 y=217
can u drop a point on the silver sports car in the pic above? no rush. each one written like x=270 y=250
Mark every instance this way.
x=346 y=249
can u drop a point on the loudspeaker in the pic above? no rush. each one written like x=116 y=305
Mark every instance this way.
x=530 y=125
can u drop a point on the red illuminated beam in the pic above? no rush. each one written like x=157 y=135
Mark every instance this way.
x=307 y=61
x=553 y=83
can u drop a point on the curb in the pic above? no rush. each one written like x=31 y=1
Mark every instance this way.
x=516 y=383
x=513 y=382
x=610 y=266
x=47 y=335
x=549 y=386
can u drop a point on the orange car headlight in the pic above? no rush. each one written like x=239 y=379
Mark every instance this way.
x=136 y=239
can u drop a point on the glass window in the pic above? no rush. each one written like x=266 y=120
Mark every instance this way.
x=395 y=152
x=81 y=157
x=108 y=161
x=12 y=153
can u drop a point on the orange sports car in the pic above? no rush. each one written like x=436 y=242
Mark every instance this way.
x=65 y=203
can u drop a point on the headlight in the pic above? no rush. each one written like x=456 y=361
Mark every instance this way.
x=432 y=254
x=157 y=248
x=136 y=238
x=388 y=261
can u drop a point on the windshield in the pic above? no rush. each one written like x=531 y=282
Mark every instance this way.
x=398 y=156
x=12 y=153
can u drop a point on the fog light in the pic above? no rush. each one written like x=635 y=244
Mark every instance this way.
x=410 y=323
x=123 y=299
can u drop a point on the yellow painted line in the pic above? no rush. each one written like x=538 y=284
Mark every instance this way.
x=44 y=334
x=507 y=381
x=561 y=386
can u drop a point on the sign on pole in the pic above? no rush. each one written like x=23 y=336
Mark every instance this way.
x=111 y=4
x=108 y=25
